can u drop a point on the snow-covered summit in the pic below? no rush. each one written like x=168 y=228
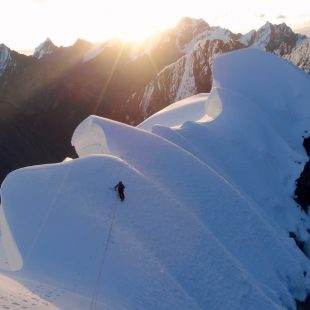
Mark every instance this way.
x=5 y=58
x=45 y=48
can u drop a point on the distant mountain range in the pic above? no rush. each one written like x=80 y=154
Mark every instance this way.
x=45 y=96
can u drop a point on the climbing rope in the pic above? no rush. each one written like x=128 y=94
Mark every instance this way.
x=93 y=305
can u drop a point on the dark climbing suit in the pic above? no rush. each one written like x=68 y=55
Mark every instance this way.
x=120 y=188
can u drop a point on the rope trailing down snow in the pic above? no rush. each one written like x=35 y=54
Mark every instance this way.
x=93 y=305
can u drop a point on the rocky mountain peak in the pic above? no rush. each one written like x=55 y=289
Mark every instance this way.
x=45 y=48
x=4 y=57
x=188 y=28
x=278 y=38
x=267 y=25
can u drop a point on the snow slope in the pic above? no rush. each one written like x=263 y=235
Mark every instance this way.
x=208 y=206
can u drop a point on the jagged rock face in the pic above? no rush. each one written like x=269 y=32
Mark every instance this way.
x=45 y=48
x=300 y=56
x=189 y=75
x=280 y=34
x=279 y=39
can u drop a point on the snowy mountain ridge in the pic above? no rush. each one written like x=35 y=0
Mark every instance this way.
x=199 y=229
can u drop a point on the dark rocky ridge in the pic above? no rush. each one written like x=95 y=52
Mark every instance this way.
x=303 y=305
x=302 y=191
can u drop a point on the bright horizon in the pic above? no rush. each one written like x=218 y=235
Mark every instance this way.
x=24 y=24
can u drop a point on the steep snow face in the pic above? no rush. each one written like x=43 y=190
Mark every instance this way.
x=300 y=56
x=5 y=58
x=207 y=209
x=45 y=48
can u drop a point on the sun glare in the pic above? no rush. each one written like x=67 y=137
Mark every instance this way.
x=96 y=20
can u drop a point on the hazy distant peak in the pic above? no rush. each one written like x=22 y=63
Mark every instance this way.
x=4 y=57
x=2 y=45
x=45 y=48
x=191 y=26
x=4 y=48
x=187 y=22
x=188 y=28
x=267 y=24
x=81 y=42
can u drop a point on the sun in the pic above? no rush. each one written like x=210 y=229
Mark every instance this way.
x=130 y=20
x=64 y=21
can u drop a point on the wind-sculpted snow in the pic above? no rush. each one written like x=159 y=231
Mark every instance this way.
x=278 y=88
x=190 y=109
x=206 y=218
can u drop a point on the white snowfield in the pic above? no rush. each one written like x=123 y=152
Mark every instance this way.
x=208 y=210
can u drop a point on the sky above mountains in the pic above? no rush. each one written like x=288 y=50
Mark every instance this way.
x=26 y=23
